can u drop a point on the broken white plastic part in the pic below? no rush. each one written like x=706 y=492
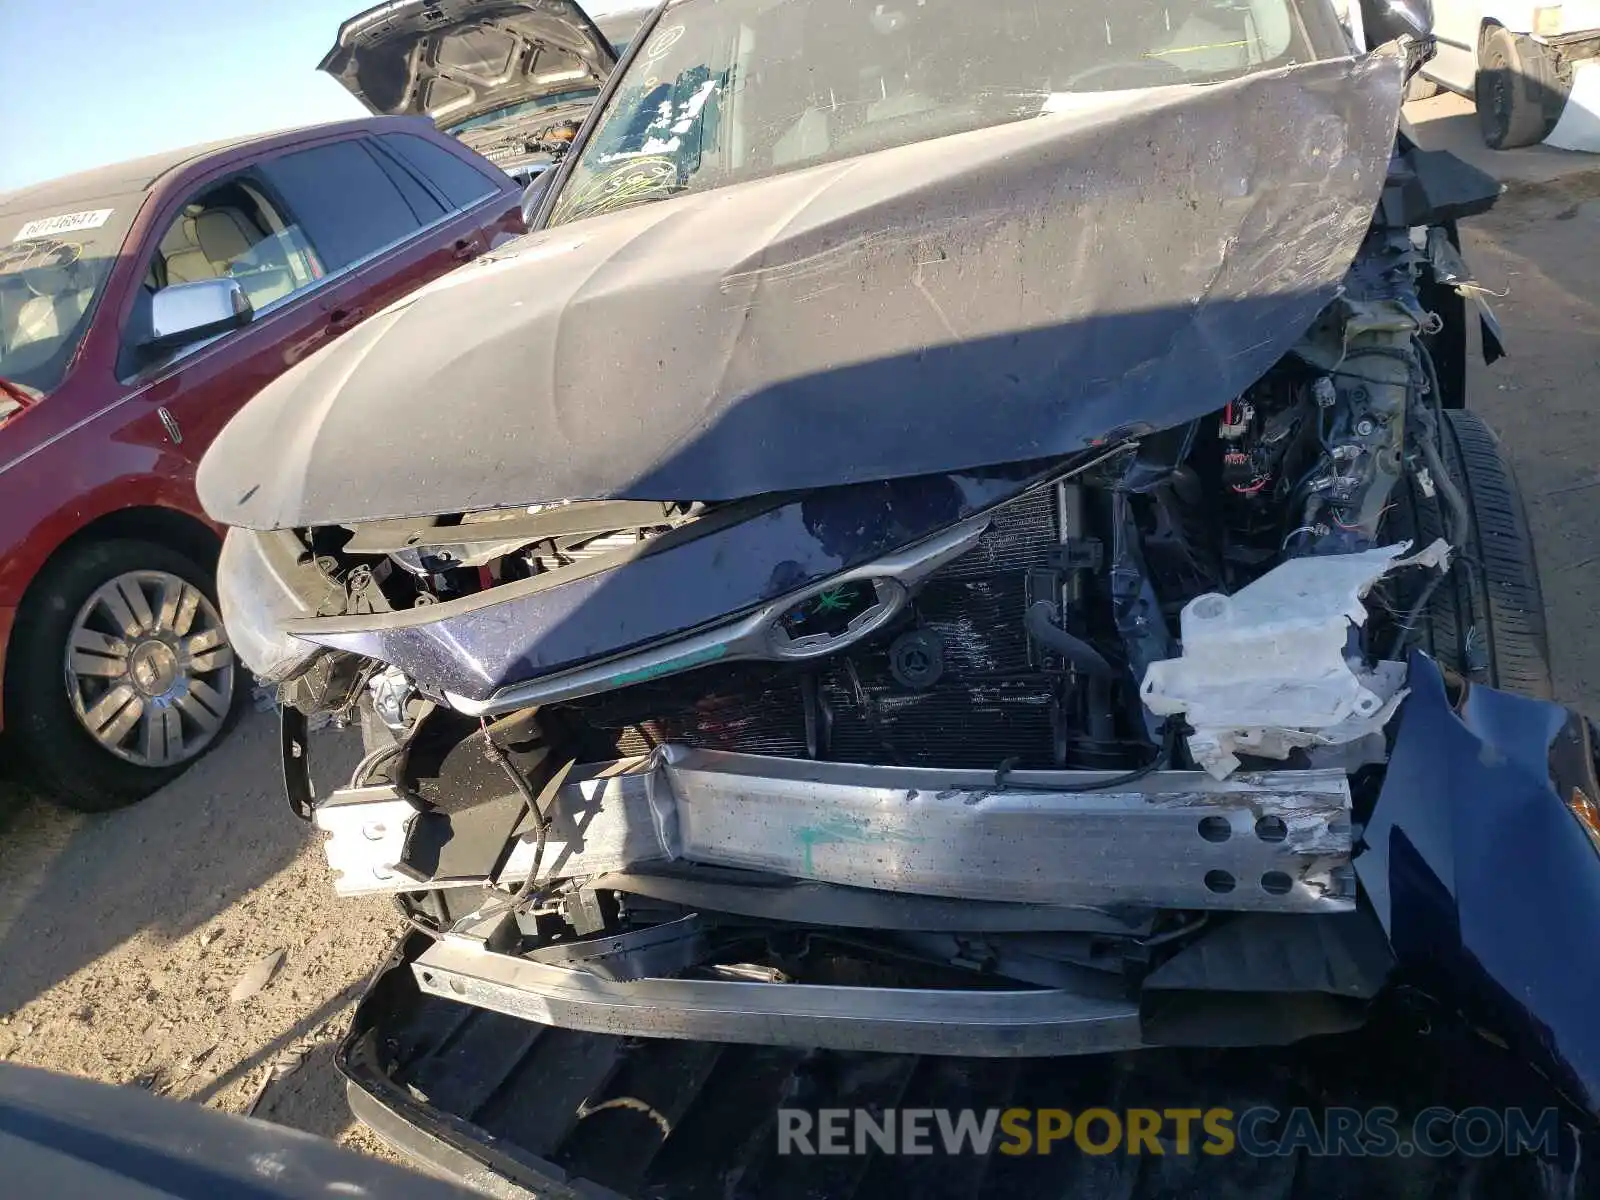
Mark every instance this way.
x=1264 y=671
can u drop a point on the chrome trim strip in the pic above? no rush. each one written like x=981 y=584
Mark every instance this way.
x=991 y=1024
x=746 y=638
x=1282 y=839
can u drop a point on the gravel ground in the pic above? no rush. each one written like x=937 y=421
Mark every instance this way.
x=122 y=937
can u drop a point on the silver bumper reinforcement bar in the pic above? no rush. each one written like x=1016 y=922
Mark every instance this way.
x=1266 y=842
x=991 y=1024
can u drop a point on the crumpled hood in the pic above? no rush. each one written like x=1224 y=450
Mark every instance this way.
x=456 y=59
x=1130 y=261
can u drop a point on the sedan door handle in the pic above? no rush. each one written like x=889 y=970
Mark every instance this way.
x=341 y=319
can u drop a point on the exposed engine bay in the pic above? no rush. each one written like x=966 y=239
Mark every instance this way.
x=1049 y=638
x=524 y=147
x=1035 y=640
x=1063 y=735
x=1098 y=705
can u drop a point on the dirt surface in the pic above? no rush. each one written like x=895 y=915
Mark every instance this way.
x=1450 y=122
x=122 y=936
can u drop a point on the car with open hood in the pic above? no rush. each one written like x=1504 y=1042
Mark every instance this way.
x=958 y=542
x=513 y=79
x=141 y=304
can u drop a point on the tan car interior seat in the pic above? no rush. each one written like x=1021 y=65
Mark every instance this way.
x=218 y=243
x=204 y=244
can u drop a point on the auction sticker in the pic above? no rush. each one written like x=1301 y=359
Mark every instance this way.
x=65 y=223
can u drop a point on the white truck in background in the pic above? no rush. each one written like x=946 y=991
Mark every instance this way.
x=1532 y=67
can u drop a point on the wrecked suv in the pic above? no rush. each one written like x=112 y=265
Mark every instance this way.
x=955 y=538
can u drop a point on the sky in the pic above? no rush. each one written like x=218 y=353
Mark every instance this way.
x=88 y=82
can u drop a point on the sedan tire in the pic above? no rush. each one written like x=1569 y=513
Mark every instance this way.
x=119 y=675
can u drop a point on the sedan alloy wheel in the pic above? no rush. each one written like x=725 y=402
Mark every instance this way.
x=149 y=671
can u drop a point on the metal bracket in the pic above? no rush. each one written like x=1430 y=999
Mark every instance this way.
x=294 y=743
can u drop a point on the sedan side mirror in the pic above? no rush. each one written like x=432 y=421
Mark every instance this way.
x=1390 y=20
x=191 y=312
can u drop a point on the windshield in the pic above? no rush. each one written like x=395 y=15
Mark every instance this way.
x=725 y=91
x=53 y=264
x=525 y=108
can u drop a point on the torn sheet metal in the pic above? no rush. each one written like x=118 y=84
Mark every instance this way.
x=1479 y=864
x=1264 y=671
x=1013 y=293
x=473 y=647
x=1275 y=842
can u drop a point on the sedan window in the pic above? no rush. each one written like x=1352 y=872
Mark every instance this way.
x=231 y=231
x=461 y=182
x=227 y=230
x=349 y=206
x=53 y=267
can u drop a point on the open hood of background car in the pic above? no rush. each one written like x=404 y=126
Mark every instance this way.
x=1015 y=293
x=452 y=60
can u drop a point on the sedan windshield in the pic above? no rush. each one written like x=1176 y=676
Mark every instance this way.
x=53 y=266
x=725 y=91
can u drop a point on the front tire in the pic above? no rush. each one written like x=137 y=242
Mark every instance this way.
x=1486 y=622
x=119 y=675
x=1518 y=91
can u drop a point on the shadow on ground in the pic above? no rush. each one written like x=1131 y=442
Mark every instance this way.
x=165 y=866
x=1450 y=122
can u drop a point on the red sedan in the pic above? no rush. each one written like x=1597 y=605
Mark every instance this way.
x=141 y=305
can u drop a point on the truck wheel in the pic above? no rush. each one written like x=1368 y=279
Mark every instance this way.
x=120 y=674
x=1518 y=93
x=1486 y=621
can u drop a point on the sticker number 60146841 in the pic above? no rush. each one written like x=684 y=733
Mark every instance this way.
x=65 y=223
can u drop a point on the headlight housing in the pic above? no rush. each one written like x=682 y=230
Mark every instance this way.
x=263 y=581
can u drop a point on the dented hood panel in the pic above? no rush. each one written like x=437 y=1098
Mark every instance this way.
x=1130 y=261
